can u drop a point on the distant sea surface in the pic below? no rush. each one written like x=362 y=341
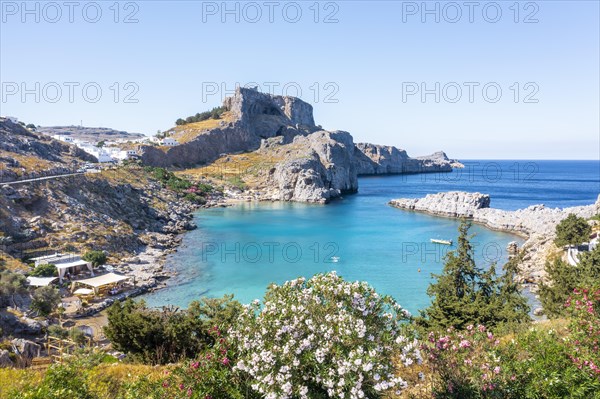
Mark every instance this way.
x=240 y=250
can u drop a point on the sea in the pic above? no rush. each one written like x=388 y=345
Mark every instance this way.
x=242 y=249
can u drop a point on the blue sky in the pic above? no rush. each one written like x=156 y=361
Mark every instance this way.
x=364 y=70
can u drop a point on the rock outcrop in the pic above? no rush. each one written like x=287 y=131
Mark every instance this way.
x=537 y=223
x=256 y=116
x=373 y=159
x=319 y=167
x=309 y=164
x=450 y=204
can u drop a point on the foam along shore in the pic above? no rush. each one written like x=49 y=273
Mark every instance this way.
x=536 y=223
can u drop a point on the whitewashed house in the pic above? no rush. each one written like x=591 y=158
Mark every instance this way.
x=60 y=137
x=102 y=155
x=124 y=154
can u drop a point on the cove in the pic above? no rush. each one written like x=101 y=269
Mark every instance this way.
x=370 y=240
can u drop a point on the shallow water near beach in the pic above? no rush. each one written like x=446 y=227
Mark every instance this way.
x=242 y=249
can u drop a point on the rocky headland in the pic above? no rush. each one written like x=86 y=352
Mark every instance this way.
x=536 y=223
x=294 y=159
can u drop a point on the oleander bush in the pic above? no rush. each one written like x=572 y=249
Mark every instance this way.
x=584 y=328
x=566 y=278
x=322 y=337
x=533 y=362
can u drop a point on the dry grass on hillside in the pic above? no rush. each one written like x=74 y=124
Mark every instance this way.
x=245 y=167
x=135 y=177
x=28 y=162
x=190 y=131
x=7 y=262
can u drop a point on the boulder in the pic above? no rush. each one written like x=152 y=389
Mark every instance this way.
x=27 y=349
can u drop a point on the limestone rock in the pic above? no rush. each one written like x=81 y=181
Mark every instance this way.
x=316 y=168
x=257 y=116
x=373 y=159
x=26 y=348
x=537 y=223
x=451 y=204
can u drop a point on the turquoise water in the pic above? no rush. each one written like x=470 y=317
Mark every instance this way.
x=242 y=249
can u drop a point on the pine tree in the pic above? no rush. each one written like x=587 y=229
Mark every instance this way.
x=572 y=231
x=454 y=293
x=465 y=294
x=511 y=306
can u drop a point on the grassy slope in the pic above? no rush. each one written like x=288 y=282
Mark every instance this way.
x=190 y=131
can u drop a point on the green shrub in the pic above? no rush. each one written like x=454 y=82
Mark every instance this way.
x=195 y=198
x=215 y=113
x=565 y=278
x=44 y=270
x=11 y=284
x=210 y=375
x=60 y=382
x=45 y=300
x=170 y=334
x=96 y=257
x=572 y=230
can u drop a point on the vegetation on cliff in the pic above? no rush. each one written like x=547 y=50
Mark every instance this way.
x=214 y=113
x=572 y=230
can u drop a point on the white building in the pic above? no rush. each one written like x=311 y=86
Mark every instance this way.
x=169 y=142
x=100 y=153
x=124 y=154
x=60 y=137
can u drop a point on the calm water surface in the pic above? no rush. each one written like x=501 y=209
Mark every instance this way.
x=242 y=249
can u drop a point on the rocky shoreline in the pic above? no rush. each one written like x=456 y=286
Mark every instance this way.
x=147 y=266
x=535 y=223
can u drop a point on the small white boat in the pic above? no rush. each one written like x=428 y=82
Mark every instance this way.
x=443 y=242
x=335 y=259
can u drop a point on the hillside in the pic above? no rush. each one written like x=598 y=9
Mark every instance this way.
x=118 y=210
x=25 y=154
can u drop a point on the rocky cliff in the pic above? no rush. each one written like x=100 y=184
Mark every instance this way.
x=308 y=164
x=314 y=168
x=537 y=223
x=254 y=116
x=373 y=159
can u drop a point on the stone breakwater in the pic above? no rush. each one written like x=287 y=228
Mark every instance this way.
x=537 y=223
